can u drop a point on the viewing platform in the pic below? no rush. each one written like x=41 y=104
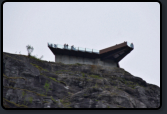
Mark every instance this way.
x=106 y=57
x=73 y=48
x=75 y=51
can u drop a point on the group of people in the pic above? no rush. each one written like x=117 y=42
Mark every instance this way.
x=66 y=46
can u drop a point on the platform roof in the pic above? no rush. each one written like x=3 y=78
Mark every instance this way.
x=117 y=52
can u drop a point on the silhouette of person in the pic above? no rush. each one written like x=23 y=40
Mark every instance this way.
x=65 y=45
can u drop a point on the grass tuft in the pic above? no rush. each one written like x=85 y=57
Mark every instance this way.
x=40 y=68
x=95 y=76
x=18 y=105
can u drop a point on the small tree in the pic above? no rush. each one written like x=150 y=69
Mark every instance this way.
x=29 y=49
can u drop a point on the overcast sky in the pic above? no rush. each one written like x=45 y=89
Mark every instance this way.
x=88 y=25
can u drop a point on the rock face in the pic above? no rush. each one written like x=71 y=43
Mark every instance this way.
x=32 y=83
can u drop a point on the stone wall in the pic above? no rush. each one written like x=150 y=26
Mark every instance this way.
x=73 y=60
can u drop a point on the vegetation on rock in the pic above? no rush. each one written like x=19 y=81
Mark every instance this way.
x=30 y=83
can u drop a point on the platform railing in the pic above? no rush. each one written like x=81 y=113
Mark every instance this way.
x=73 y=48
x=89 y=50
x=95 y=51
x=81 y=49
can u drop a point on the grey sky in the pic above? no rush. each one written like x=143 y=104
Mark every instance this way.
x=89 y=25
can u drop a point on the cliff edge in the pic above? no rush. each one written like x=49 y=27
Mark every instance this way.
x=32 y=83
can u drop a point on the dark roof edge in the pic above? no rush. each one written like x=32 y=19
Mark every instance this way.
x=113 y=47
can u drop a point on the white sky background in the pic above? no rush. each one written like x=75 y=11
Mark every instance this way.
x=88 y=25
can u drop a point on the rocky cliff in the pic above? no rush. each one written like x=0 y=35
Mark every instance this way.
x=32 y=83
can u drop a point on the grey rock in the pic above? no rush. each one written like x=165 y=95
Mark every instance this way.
x=32 y=83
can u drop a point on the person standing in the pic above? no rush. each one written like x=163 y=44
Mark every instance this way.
x=67 y=45
x=73 y=47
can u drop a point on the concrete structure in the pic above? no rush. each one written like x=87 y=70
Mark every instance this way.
x=72 y=60
x=108 y=57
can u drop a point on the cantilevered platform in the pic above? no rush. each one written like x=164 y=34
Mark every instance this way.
x=107 y=56
x=77 y=51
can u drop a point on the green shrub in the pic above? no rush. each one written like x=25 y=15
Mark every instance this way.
x=108 y=106
x=29 y=49
x=128 y=83
x=53 y=79
x=46 y=86
x=34 y=57
x=30 y=99
x=57 y=80
x=65 y=103
x=18 y=105
x=95 y=76
x=78 y=64
x=96 y=85
x=120 y=106
x=62 y=82
x=61 y=71
x=23 y=93
x=83 y=74
x=53 y=99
